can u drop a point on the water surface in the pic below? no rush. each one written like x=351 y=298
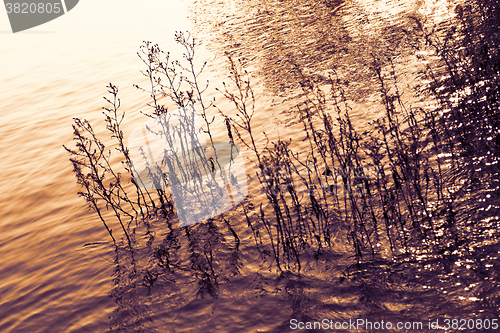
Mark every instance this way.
x=51 y=282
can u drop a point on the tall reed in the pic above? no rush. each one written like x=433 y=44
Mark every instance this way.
x=400 y=191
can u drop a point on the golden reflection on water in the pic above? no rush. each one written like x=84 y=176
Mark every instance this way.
x=54 y=72
x=279 y=41
x=271 y=37
x=48 y=279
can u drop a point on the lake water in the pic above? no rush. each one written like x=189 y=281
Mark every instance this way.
x=50 y=281
x=50 y=74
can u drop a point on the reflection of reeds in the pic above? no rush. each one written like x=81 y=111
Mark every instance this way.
x=419 y=185
x=414 y=202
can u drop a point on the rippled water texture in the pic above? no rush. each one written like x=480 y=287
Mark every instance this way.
x=53 y=280
x=49 y=282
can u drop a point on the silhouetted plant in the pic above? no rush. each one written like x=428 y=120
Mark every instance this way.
x=92 y=169
x=398 y=193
